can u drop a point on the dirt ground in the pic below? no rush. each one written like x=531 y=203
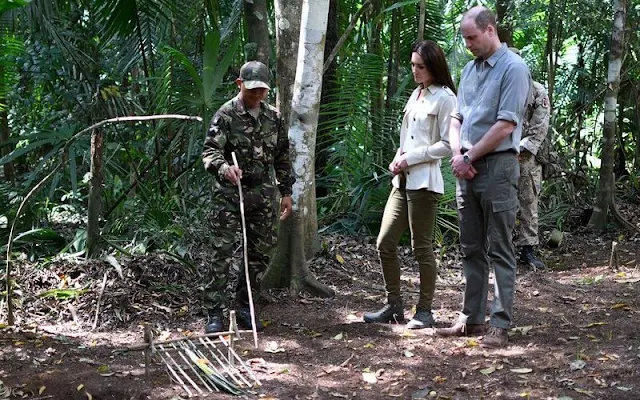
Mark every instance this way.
x=574 y=334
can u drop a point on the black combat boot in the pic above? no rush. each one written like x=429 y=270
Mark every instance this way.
x=215 y=322
x=527 y=256
x=243 y=317
x=393 y=312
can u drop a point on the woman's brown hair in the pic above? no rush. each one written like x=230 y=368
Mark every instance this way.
x=435 y=61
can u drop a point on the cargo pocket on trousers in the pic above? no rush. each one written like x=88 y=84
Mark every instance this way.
x=504 y=205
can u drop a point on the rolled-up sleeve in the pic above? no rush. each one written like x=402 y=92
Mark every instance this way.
x=516 y=85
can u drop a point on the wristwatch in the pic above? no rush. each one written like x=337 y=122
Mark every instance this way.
x=466 y=158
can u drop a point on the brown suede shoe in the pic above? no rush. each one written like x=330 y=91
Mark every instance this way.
x=460 y=329
x=495 y=338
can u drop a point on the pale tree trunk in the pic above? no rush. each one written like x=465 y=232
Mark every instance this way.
x=505 y=27
x=258 y=46
x=95 y=194
x=604 y=199
x=302 y=227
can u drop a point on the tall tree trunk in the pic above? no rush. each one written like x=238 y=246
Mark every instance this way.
x=288 y=14
x=579 y=108
x=4 y=142
x=604 y=199
x=95 y=194
x=329 y=88
x=423 y=10
x=620 y=159
x=551 y=70
x=302 y=132
x=298 y=233
x=376 y=95
x=636 y=114
x=505 y=25
x=258 y=46
x=394 y=58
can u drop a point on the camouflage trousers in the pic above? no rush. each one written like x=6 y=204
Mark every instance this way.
x=226 y=226
x=529 y=187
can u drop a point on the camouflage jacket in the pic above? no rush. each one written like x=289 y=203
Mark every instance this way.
x=261 y=145
x=536 y=121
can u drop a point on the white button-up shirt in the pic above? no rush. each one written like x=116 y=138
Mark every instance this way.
x=424 y=137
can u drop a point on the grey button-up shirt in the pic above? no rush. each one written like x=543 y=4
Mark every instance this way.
x=490 y=90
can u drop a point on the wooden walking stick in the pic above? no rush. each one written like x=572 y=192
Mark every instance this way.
x=246 y=257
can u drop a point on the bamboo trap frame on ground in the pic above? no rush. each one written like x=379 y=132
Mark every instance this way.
x=202 y=364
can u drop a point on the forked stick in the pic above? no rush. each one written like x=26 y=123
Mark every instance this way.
x=246 y=257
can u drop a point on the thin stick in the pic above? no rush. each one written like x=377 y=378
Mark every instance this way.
x=104 y=284
x=173 y=372
x=181 y=370
x=237 y=357
x=246 y=257
x=190 y=364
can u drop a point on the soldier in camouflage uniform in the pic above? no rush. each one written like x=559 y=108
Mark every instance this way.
x=534 y=132
x=253 y=130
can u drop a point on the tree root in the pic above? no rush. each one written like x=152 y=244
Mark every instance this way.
x=620 y=219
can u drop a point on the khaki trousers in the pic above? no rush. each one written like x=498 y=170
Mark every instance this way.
x=416 y=210
x=487 y=207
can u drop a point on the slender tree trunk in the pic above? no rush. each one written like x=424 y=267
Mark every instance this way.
x=4 y=142
x=620 y=159
x=551 y=71
x=329 y=87
x=604 y=199
x=579 y=108
x=376 y=95
x=420 y=20
x=636 y=133
x=505 y=26
x=256 y=20
x=95 y=194
x=394 y=58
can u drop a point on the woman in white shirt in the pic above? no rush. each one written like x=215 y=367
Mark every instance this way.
x=417 y=184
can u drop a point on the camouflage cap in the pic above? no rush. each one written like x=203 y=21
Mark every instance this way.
x=255 y=74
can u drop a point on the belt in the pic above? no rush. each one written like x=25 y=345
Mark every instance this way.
x=494 y=153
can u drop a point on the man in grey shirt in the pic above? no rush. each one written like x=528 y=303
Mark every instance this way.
x=485 y=134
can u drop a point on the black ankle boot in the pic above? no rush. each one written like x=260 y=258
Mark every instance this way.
x=390 y=312
x=527 y=256
x=243 y=317
x=215 y=322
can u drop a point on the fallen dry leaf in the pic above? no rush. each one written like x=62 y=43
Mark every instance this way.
x=521 y=370
x=488 y=371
